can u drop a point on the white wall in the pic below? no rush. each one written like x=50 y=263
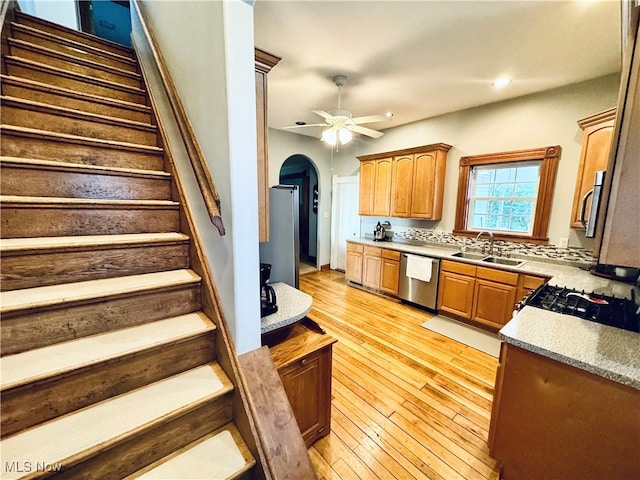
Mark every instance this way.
x=543 y=119
x=62 y=12
x=208 y=47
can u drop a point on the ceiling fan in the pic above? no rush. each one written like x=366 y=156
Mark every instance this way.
x=340 y=122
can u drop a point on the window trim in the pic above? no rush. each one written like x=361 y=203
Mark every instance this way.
x=549 y=157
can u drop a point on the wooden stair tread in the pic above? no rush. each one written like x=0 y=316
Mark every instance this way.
x=74 y=60
x=73 y=93
x=221 y=454
x=78 y=202
x=33 y=365
x=81 y=434
x=21 y=17
x=31 y=105
x=39 y=297
x=72 y=43
x=37 y=244
x=85 y=167
x=67 y=73
x=77 y=139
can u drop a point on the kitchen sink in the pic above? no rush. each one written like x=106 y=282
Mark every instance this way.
x=503 y=261
x=469 y=255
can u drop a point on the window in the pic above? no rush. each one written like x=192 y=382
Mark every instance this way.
x=508 y=193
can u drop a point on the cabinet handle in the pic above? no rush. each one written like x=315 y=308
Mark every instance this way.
x=321 y=430
x=304 y=361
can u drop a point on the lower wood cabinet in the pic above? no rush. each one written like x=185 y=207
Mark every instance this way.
x=303 y=360
x=374 y=267
x=371 y=262
x=553 y=420
x=390 y=271
x=353 y=271
x=485 y=295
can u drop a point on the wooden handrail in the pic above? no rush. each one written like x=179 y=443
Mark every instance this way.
x=203 y=177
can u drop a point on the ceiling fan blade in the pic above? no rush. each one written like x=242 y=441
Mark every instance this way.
x=303 y=126
x=369 y=119
x=323 y=114
x=364 y=130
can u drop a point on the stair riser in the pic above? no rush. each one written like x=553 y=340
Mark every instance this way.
x=73 y=35
x=152 y=444
x=72 y=82
x=41 y=182
x=53 y=121
x=35 y=221
x=72 y=49
x=94 y=71
x=61 y=100
x=51 y=148
x=34 y=270
x=28 y=330
x=29 y=405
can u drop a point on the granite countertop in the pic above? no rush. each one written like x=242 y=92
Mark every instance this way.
x=606 y=351
x=293 y=305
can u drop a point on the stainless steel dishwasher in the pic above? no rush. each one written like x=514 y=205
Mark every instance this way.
x=417 y=291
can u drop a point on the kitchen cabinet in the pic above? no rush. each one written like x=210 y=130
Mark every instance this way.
x=375 y=187
x=596 y=144
x=553 y=420
x=494 y=296
x=457 y=286
x=484 y=295
x=371 y=267
x=353 y=271
x=390 y=271
x=619 y=223
x=404 y=183
x=264 y=62
x=303 y=361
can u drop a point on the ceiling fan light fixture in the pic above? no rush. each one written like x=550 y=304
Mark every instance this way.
x=345 y=136
x=333 y=136
x=330 y=136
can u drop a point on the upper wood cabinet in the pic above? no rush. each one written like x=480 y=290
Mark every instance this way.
x=264 y=62
x=404 y=183
x=596 y=143
x=375 y=187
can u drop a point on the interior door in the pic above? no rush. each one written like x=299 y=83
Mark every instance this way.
x=345 y=221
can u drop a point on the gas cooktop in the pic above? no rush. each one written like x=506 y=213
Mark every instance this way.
x=616 y=312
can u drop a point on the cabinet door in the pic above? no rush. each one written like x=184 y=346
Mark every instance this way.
x=382 y=188
x=367 y=181
x=390 y=275
x=308 y=386
x=494 y=303
x=596 y=144
x=402 y=186
x=353 y=271
x=263 y=162
x=371 y=271
x=456 y=294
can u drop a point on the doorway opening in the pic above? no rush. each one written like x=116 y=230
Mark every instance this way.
x=298 y=170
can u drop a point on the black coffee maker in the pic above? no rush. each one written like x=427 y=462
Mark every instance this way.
x=267 y=293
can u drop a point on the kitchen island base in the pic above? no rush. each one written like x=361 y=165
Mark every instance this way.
x=555 y=421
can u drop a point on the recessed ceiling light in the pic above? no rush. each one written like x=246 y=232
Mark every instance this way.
x=301 y=123
x=501 y=82
x=389 y=114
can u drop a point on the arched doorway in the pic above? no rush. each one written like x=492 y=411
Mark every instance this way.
x=299 y=170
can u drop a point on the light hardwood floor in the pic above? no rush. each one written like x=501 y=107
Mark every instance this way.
x=406 y=402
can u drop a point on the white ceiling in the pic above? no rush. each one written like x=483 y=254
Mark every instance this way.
x=420 y=59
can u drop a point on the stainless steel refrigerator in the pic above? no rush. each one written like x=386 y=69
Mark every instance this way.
x=282 y=249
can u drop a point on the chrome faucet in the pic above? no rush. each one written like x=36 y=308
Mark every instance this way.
x=490 y=240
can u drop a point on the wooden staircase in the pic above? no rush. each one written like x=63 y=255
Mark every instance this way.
x=110 y=366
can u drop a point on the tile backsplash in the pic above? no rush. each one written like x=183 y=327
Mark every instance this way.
x=548 y=253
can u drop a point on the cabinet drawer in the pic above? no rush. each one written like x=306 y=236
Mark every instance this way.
x=531 y=282
x=354 y=247
x=508 y=278
x=390 y=254
x=458 y=267
x=372 y=251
